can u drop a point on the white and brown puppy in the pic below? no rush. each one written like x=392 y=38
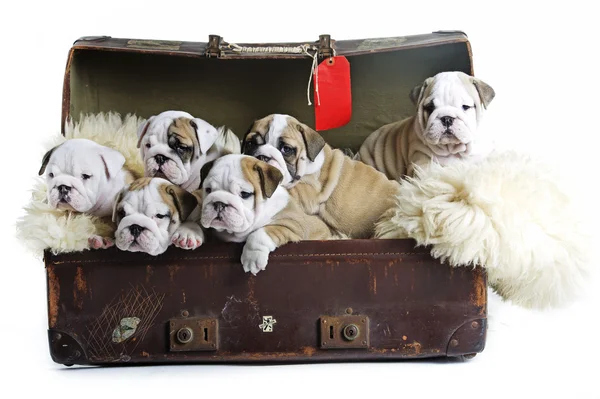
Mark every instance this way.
x=347 y=195
x=175 y=145
x=447 y=127
x=244 y=201
x=86 y=177
x=150 y=213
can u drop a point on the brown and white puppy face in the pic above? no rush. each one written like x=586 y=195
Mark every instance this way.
x=80 y=174
x=148 y=213
x=289 y=145
x=240 y=194
x=174 y=144
x=449 y=109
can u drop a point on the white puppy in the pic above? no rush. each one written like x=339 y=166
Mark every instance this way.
x=149 y=214
x=84 y=176
x=244 y=201
x=175 y=145
x=446 y=128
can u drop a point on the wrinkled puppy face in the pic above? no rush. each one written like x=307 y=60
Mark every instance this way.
x=78 y=174
x=449 y=108
x=147 y=214
x=172 y=142
x=282 y=141
x=236 y=190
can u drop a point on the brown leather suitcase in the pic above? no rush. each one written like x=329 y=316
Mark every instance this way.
x=317 y=301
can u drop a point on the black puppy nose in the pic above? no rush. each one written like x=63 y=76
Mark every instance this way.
x=447 y=120
x=219 y=206
x=160 y=159
x=62 y=189
x=136 y=230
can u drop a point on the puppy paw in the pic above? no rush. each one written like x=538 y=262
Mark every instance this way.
x=255 y=254
x=254 y=260
x=98 y=242
x=188 y=236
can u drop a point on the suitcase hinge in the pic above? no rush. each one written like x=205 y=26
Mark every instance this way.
x=213 y=49
x=325 y=49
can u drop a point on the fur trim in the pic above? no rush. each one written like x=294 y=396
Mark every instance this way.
x=508 y=214
x=43 y=227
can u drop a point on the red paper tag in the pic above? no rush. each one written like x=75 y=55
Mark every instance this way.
x=332 y=93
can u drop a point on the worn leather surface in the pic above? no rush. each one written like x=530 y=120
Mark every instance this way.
x=415 y=305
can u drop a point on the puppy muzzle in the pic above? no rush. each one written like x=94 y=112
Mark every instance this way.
x=160 y=164
x=139 y=233
x=224 y=211
x=447 y=126
x=67 y=192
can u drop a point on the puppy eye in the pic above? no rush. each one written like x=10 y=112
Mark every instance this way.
x=208 y=190
x=246 y=194
x=51 y=175
x=158 y=215
x=121 y=214
x=287 y=150
x=182 y=149
x=467 y=107
x=429 y=107
x=148 y=145
x=263 y=158
x=85 y=177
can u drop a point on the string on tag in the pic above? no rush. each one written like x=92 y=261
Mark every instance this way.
x=303 y=49
x=314 y=70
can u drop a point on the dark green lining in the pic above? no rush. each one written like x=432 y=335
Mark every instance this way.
x=235 y=92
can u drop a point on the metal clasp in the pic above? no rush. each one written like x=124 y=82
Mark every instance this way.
x=193 y=334
x=344 y=332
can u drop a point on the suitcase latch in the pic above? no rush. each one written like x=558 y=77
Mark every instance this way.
x=193 y=334
x=344 y=332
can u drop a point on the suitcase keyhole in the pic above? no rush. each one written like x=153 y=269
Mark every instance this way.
x=206 y=334
x=331 y=332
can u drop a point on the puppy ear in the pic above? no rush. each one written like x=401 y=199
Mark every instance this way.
x=143 y=129
x=116 y=205
x=312 y=140
x=206 y=134
x=113 y=161
x=417 y=92
x=184 y=202
x=204 y=172
x=46 y=159
x=244 y=146
x=486 y=93
x=270 y=177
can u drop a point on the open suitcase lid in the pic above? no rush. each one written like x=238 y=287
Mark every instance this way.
x=147 y=77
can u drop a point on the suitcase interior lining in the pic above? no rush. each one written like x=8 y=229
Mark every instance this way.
x=235 y=92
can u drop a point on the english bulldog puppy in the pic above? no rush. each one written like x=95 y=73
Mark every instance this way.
x=450 y=108
x=149 y=214
x=175 y=145
x=243 y=200
x=348 y=195
x=86 y=177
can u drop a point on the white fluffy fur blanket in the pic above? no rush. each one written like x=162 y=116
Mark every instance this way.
x=43 y=227
x=508 y=214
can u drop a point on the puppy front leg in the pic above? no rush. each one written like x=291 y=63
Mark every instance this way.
x=255 y=254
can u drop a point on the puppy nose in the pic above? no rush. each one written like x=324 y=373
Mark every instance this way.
x=447 y=120
x=136 y=230
x=219 y=206
x=62 y=189
x=160 y=159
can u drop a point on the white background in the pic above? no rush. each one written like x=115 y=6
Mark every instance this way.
x=542 y=60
